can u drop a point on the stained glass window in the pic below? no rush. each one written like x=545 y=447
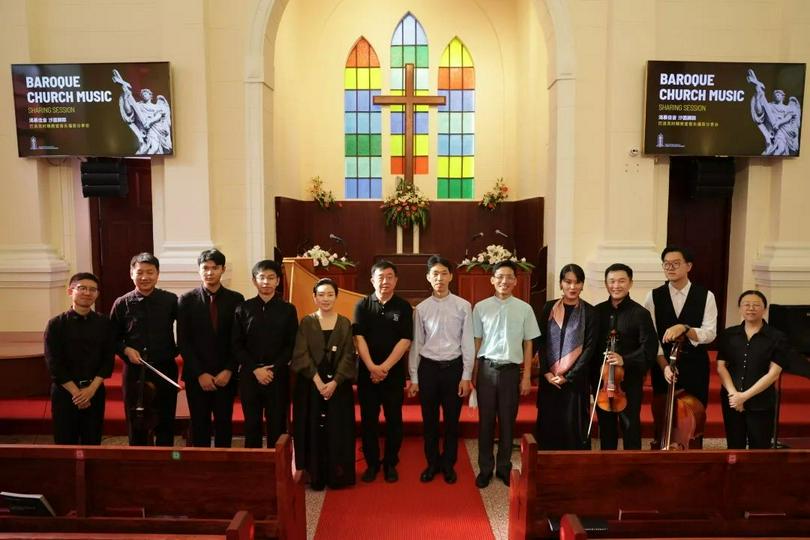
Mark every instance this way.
x=363 y=139
x=456 y=144
x=409 y=46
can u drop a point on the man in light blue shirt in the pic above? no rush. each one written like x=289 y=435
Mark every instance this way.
x=441 y=366
x=504 y=327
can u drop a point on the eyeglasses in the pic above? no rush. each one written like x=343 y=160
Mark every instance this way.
x=505 y=277
x=671 y=265
x=85 y=289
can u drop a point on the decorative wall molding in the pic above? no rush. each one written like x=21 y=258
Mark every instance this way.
x=32 y=266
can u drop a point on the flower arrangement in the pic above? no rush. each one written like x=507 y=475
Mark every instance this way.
x=492 y=256
x=496 y=195
x=406 y=207
x=322 y=257
x=324 y=198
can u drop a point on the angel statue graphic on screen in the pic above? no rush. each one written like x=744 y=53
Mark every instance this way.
x=150 y=121
x=778 y=121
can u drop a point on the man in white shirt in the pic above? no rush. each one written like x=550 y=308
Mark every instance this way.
x=441 y=366
x=682 y=308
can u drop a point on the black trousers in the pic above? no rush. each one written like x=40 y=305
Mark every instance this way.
x=265 y=407
x=751 y=429
x=498 y=390
x=438 y=388
x=72 y=425
x=388 y=394
x=161 y=409
x=629 y=419
x=202 y=406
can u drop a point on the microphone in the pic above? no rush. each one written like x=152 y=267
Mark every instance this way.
x=475 y=237
x=338 y=239
x=501 y=233
x=514 y=245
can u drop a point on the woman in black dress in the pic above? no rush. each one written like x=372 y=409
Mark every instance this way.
x=566 y=347
x=323 y=404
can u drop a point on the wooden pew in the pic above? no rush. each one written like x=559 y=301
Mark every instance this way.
x=156 y=490
x=661 y=494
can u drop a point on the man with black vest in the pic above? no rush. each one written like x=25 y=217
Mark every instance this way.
x=680 y=307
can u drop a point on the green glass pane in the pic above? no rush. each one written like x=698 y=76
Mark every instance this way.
x=350 y=167
x=467 y=190
x=351 y=145
x=468 y=122
x=363 y=167
x=443 y=188
x=444 y=122
x=422 y=56
x=455 y=123
x=376 y=167
x=408 y=55
x=375 y=145
x=362 y=145
x=455 y=188
x=396 y=56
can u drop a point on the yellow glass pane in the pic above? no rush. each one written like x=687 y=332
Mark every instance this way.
x=466 y=59
x=350 y=79
x=420 y=145
x=455 y=53
x=362 y=78
x=468 y=166
x=397 y=145
x=375 y=78
x=455 y=167
x=445 y=61
x=444 y=166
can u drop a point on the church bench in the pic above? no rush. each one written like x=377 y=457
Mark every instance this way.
x=661 y=494
x=157 y=490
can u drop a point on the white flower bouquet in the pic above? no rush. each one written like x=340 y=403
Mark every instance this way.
x=492 y=255
x=322 y=257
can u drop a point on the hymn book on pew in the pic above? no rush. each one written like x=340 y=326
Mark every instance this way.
x=27 y=504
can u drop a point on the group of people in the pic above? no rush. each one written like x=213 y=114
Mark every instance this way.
x=441 y=351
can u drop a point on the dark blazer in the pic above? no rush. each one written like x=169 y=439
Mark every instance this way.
x=203 y=350
x=310 y=348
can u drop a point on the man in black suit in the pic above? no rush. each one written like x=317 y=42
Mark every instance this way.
x=204 y=324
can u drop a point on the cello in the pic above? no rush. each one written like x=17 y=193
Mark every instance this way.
x=683 y=415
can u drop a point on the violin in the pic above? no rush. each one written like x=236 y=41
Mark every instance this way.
x=683 y=415
x=610 y=396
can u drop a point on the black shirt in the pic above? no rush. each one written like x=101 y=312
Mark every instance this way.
x=146 y=323
x=637 y=341
x=79 y=347
x=383 y=326
x=264 y=333
x=747 y=361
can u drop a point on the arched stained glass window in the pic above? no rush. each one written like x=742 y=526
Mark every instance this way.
x=363 y=139
x=409 y=46
x=456 y=144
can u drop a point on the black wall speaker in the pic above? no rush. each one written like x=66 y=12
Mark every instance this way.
x=706 y=176
x=793 y=321
x=104 y=177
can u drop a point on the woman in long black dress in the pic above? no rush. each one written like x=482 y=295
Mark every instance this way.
x=323 y=404
x=567 y=343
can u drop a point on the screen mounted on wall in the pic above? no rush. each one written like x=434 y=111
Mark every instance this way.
x=723 y=108
x=116 y=109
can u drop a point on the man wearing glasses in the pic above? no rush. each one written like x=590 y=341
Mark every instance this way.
x=682 y=308
x=79 y=350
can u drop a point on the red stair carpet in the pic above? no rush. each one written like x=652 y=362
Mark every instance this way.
x=407 y=509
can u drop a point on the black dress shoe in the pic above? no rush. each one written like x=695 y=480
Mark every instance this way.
x=503 y=478
x=482 y=480
x=450 y=475
x=390 y=473
x=428 y=474
x=371 y=473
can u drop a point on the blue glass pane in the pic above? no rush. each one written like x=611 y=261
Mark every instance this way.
x=422 y=77
x=350 y=100
x=444 y=122
x=397 y=39
x=374 y=107
x=397 y=123
x=421 y=123
x=363 y=100
x=446 y=94
x=455 y=145
x=363 y=189
x=421 y=38
x=468 y=145
x=444 y=145
x=376 y=166
x=376 y=188
x=351 y=188
x=375 y=126
x=409 y=30
x=362 y=122
x=455 y=100
x=397 y=79
x=469 y=100
x=350 y=123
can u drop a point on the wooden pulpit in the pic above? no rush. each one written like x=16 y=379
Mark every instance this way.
x=475 y=285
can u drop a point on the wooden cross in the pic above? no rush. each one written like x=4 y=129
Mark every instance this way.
x=410 y=100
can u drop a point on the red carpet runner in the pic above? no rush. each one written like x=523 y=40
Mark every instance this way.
x=407 y=509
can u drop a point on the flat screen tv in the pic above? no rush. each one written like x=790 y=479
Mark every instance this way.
x=118 y=109
x=723 y=108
